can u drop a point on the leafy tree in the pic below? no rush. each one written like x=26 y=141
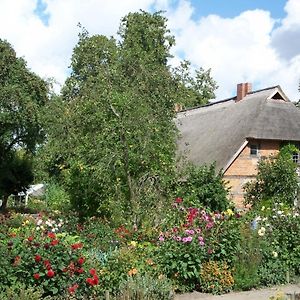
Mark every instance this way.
x=22 y=93
x=113 y=140
x=276 y=179
x=15 y=174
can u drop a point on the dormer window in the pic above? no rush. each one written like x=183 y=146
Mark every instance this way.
x=254 y=149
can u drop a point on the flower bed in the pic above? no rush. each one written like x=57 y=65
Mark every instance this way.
x=194 y=249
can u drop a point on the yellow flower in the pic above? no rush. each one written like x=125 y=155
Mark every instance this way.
x=229 y=212
x=133 y=243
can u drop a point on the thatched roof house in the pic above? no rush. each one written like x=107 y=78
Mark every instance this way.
x=236 y=132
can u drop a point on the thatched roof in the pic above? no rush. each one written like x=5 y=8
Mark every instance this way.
x=217 y=131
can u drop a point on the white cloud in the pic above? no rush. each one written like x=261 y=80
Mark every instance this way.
x=48 y=49
x=239 y=49
x=248 y=47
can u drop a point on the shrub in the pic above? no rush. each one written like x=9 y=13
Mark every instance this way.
x=146 y=288
x=191 y=237
x=54 y=262
x=216 y=277
x=21 y=292
x=204 y=187
x=247 y=259
x=56 y=197
x=276 y=179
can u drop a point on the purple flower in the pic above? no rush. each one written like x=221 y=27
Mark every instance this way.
x=190 y=231
x=209 y=225
x=187 y=239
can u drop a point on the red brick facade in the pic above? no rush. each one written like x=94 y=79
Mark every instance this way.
x=244 y=167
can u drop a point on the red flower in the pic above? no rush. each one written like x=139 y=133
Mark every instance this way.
x=95 y=280
x=47 y=264
x=81 y=260
x=36 y=276
x=178 y=200
x=72 y=289
x=37 y=258
x=54 y=242
x=93 y=272
x=77 y=246
x=51 y=235
x=80 y=270
x=50 y=273
x=90 y=281
x=30 y=239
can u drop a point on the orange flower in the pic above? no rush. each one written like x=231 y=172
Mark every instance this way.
x=133 y=271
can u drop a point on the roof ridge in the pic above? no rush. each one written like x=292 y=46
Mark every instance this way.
x=227 y=99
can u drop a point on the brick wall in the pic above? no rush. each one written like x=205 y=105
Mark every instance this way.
x=244 y=168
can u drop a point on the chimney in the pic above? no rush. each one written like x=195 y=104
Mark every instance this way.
x=242 y=90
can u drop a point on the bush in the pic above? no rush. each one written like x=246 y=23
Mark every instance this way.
x=21 y=292
x=276 y=179
x=53 y=262
x=192 y=237
x=247 y=259
x=204 y=187
x=146 y=288
x=216 y=277
x=56 y=197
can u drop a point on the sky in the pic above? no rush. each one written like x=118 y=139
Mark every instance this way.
x=255 y=41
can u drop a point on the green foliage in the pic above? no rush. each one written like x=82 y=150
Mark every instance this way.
x=276 y=179
x=22 y=94
x=56 y=197
x=21 y=292
x=146 y=288
x=203 y=187
x=216 y=277
x=194 y=91
x=119 y=161
x=192 y=237
x=247 y=260
x=15 y=174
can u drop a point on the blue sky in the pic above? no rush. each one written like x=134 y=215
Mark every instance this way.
x=232 y=8
x=254 y=41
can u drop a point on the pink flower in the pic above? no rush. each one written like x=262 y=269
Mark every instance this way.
x=178 y=200
x=161 y=238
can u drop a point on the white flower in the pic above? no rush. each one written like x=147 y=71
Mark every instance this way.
x=275 y=254
x=261 y=231
x=39 y=222
x=265 y=219
x=280 y=212
x=258 y=218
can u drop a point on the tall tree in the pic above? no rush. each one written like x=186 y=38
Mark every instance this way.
x=118 y=139
x=22 y=93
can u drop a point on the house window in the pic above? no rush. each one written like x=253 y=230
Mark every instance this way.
x=254 y=150
x=296 y=158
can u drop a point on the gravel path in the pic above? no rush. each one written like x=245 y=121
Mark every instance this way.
x=263 y=294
